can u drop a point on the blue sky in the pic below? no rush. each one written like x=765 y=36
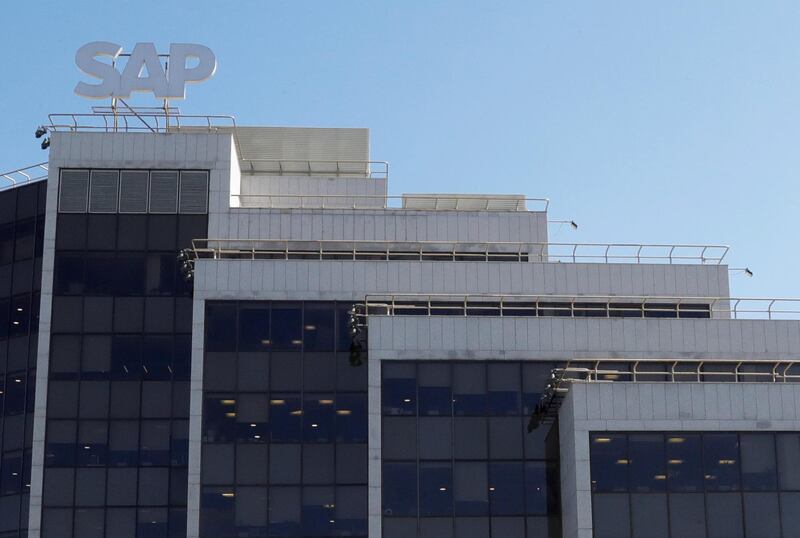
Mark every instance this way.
x=644 y=121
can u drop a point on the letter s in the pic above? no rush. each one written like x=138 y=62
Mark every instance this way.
x=86 y=62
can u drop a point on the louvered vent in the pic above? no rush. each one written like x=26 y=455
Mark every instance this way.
x=163 y=192
x=74 y=191
x=133 y=191
x=194 y=192
x=103 y=191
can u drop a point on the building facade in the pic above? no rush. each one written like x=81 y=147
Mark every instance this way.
x=225 y=332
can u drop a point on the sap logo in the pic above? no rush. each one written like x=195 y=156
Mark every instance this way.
x=143 y=72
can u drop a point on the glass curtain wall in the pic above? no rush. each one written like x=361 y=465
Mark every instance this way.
x=284 y=422
x=22 y=214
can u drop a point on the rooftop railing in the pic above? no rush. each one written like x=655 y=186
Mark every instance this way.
x=656 y=371
x=582 y=306
x=458 y=251
x=153 y=120
x=433 y=202
x=23 y=176
x=281 y=167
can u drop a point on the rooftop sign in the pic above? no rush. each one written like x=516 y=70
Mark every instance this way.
x=143 y=71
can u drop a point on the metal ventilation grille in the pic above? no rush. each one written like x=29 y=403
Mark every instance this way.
x=133 y=191
x=103 y=191
x=194 y=192
x=74 y=191
x=163 y=192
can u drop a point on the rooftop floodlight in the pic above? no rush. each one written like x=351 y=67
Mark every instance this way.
x=572 y=223
x=46 y=143
x=355 y=354
x=746 y=270
x=40 y=131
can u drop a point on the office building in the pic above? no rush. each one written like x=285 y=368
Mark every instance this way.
x=218 y=331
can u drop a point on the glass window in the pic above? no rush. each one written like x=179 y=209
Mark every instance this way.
x=435 y=489
x=435 y=397
x=123 y=483
x=89 y=523
x=124 y=443
x=125 y=397
x=399 y=489
x=60 y=448
x=473 y=527
x=318 y=327
x=90 y=487
x=284 y=464
x=351 y=511
x=217 y=512
x=219 y=371
x=286 y=418
x=220 y=326
x=469 y=389
x=351 y=464
x=96 y=357
x=761 y=514
x=647 y=462
x=252 y=417
x=285 y=371
x=57 y=523
x=758 y=462
x=536 y=493
x=609 y=462
x=251 y=511
x=154 y=485
x=399 y=389
x=59 y=485
x=687 y=515
x=504 y=389
x=611 y=515
x=399 y=438
x=437 y=527
x=721 y=456
x=92 y=443
x=253 y=371
x=318 y=511
x=506 y=488
x=128 y=314
x=790 y=514
x=154 y=442
x=284 y=511
x=505 y=438
x=649 y=516
x=254 y=328
x=471 y=488
x=318 y=464
x=319 y=371
x=351 y=418
x=470 y=435
x=789 y=460
x=252 y=464
x=724 y=515
x=684 y=462
x=318 y=422
x=435 y=438
x=218 y=464
x=126 y=357
x=286 y=327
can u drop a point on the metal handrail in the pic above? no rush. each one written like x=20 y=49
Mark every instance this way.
x=346 y=168
x=638 y=252
x=582 y=305
x=111 y=122
x=480 y=251
x=381 y=201
x=677 y=370
x=25 y=175
x=561 y=378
